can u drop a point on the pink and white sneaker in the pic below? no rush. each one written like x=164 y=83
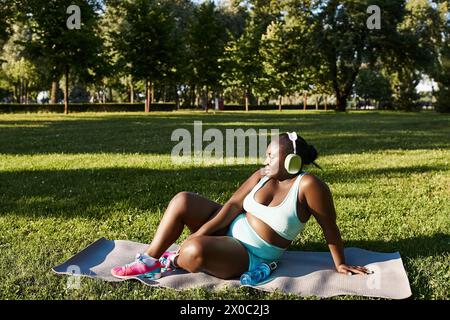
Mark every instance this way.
x=141 y=267
x=167 y=260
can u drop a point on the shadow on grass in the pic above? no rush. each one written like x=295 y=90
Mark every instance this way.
x=128 y=133
x=354 y=175
x=409 y=248
x=95 y=192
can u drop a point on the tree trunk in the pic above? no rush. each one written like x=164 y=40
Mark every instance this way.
x=66 y=91
x=177 y=99
x=110 y=94
x=341 y=102
x=342 y=96
x=317 y=102
x=131 y=92
x=148 y=91
x=20 y=91
x=280 y=101
x=53 y=92
x=305 y=100
x=16 y=93
x=192 y=96
x=207 y=100
x=326 y=102
x=152 y=93
x=26 y=92
x=246 y=102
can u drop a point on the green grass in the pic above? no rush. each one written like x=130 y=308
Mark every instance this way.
x=66 y=181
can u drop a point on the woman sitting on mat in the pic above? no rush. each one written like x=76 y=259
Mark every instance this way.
x=257 y=224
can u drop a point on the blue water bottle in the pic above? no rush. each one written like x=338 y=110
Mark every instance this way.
x=259 y=274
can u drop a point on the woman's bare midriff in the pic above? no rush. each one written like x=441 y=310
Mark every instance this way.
x=266 y=232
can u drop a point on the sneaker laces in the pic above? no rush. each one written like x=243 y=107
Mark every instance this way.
x=139 y=259
x=167 y=263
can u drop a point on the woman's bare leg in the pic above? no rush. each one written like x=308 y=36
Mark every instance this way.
x=185 y=208
x=221 y=256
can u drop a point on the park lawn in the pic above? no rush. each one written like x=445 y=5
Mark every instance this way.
x=66 y=181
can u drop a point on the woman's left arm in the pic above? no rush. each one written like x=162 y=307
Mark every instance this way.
x=320 y=203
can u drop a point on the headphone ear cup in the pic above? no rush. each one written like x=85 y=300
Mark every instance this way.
x=293 y=163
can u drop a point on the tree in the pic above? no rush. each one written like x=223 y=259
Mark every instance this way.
x=343 y=41
x=19 y=73
x=419 y=33
x=181 y=73
x=442 y=70
x=145 y=41
x=233 y=16
x=58 y=49
x=292 y=66
x=281 y=74
x=243 y=67
x=113 y=71
x=443 y=80
x=207 y=38
x=6 y=16
x=372 y=85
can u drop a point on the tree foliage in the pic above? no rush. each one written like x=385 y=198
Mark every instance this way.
x=240 y=49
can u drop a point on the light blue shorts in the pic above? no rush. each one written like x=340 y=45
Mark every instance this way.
x=258 y=249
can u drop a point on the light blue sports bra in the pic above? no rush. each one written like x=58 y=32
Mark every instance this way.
x=282 y=218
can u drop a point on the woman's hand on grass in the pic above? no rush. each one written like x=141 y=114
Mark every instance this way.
x=349 y=270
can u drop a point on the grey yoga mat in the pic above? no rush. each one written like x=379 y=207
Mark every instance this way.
x=299 y=272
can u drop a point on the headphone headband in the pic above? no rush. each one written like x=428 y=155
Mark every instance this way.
x=293 y=137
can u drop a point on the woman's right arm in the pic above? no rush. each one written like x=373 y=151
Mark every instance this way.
x=231 y=208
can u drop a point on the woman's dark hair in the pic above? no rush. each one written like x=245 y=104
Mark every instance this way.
x=305 y=150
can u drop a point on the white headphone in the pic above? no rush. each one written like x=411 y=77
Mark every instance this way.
x=293 y=162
